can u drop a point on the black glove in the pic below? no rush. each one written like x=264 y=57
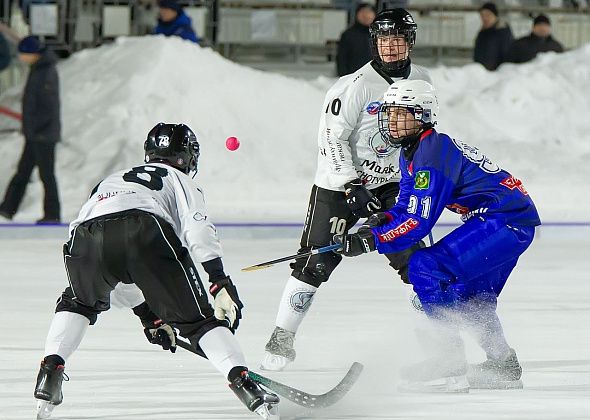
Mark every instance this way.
x=400 y=260
x=354 y=244
x=227 y=304
x=160 y=333
x=377 y=219
x=156 y=330
x=360 y=200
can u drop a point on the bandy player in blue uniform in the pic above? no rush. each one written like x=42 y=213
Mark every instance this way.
x=459 y=278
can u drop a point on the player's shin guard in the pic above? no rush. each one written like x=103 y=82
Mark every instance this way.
x=222 y=349
x=295 y=302
x=251 y=394
x=65 y=333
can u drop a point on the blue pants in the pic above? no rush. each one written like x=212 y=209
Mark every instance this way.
x=473 y=261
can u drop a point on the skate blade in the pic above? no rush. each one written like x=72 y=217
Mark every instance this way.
x=496 y=384
x=44 y=409
x=268 y=412
x=274 y=362
x=449 y=385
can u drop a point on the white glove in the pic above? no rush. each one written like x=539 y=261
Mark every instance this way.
x=227 y=303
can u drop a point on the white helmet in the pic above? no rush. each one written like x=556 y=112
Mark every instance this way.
x=416 y=96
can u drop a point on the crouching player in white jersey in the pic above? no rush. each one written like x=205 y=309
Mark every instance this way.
x=357 y=173
x=459 y=278
x=145 y=226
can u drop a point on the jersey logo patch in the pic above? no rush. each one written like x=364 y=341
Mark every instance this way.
x=474 y=155
x=402 y=229
x=512 y=183
x=379 y=146
x=300 y=301
x=373 y=108
x=199 y=217
x=422 y=180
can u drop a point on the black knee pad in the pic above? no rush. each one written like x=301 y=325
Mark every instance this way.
x=194 y=332
x=399 y=260
x=316 y=269
x=66 y=303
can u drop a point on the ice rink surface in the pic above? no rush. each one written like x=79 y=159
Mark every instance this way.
x=362 y=315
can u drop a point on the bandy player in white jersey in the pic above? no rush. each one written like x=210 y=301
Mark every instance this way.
x=357 y=173
x=144 y=227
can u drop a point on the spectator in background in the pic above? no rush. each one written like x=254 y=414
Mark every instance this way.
x=174 y=22
x=540 y=40
x=392 y=4
x=5 y=55
x=354 y=48
x=42 y=130
x=493 y=40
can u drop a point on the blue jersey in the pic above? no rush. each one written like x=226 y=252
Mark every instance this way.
x=446 y=173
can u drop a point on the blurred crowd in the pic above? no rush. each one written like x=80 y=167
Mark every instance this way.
x=494 y=44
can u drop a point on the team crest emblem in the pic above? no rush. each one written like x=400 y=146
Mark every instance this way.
x=422 y=180
x=300 y=301
x=163 y=141
x=379 y=146
x=373 y=108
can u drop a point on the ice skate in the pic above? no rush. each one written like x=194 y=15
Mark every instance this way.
x=5 y=217
x=254 y=397
x=48 y=389
x=436 y=375
x=496 y=374
x=279 y=350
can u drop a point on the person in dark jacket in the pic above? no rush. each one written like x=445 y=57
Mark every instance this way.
x=5 y=55
x=354 y=48
x=41 y=127
x=174 y=22
x=493 y=40
x=539 y=41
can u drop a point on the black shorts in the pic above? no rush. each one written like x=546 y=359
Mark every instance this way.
x=327 y=215
x=135 y=247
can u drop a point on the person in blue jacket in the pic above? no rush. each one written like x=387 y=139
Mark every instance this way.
x=459 y=278
x=174 y=22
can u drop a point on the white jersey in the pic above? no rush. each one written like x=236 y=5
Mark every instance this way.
x=163 y=191
x=350 y=145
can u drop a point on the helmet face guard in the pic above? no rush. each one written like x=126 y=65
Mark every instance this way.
x=399 y=131
x=409 y=108
x=175 y=144
x=393 y=35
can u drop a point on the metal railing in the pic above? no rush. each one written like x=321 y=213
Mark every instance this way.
x=293 y=24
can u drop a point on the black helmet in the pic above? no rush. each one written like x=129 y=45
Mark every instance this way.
x=172 y=143
x=390 y=23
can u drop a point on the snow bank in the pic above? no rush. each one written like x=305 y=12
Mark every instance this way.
x=531 y=119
